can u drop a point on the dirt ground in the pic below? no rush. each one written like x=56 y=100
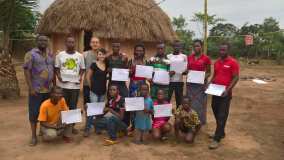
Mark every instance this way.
x=255 y=130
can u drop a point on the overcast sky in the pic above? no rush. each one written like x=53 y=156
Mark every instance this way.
x=237 y=12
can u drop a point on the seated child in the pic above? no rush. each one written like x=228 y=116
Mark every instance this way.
x=187 y=123
x=49 y=117
x=142 y=119
x=161 y=126
x=114 y=123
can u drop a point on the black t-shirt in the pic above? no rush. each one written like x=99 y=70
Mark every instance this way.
x=98 y=80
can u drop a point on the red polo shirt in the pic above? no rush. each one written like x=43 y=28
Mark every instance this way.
x=224 y=70
x=198 y=64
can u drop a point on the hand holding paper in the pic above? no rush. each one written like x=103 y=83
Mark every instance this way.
x=134 y=104
x=120 y=74
x=164 y=110
x=161 y=77
x=215 y=89
x=144 y=71
x=95 y=108
x=71 y=116
x=196 y=77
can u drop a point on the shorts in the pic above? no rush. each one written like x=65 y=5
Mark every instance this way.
x=34 y=105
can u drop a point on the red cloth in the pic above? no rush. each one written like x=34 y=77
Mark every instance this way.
x=133 y=77
x=199 y=64
x=225 y=70
x=160 y=121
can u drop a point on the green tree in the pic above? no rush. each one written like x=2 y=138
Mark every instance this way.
x=212 y=19
x=14 y=15
x=184 y=34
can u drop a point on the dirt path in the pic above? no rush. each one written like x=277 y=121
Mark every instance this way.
x=255 y=130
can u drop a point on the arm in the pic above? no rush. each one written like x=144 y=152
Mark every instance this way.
x=89 y=77
x=208 y=72
x=57 y=73
x=29 y=81
x=231 y=86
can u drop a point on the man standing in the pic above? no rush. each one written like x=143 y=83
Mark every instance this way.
x=160 y=62
x=176 y=80
x=69 y=69
x=226 y=72
x=39 y=73
x=90 y=57
x=117 y=60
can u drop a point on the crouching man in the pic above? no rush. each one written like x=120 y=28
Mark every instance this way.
x=50 y=117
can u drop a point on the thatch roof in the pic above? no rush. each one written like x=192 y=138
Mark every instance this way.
x=111 y=19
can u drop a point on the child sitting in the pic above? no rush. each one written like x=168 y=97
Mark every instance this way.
x=187 y=123
x=161 y=126
x=116 y=122
x=143 y=118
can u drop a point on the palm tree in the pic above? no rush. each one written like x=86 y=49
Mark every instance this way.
x=13 y=15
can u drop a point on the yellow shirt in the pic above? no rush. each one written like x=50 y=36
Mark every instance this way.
x=51 y=113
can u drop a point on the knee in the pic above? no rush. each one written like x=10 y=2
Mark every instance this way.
x=156 y=135
x=167 y=127
x=189 y=140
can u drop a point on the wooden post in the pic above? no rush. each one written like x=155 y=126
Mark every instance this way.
x=205 y=27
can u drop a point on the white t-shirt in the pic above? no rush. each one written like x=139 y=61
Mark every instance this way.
x=69 y=65
x=177 y=77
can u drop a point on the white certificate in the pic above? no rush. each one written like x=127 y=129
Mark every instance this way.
x=120 y=74
x=134 y=104
x=70 y=78
x=161 y=77
x=144 y=71
x=95 y=108
x=215 y=89
x=196 y=77
x=164 y=110
x=71 y=116
x=178 y=66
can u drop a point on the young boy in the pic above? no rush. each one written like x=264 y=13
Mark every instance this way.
x=49 y=117
x=187 y=123
x=115 y=122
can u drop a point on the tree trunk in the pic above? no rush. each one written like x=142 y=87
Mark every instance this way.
x=9 y=86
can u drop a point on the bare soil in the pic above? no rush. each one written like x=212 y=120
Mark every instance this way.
x=255 y=129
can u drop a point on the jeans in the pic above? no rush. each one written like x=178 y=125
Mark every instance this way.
x=71 y=97
x=176 y=87
x=112 y=124
x=220 y=107
x=93 y=98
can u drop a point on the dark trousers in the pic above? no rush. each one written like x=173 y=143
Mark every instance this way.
x=86 y=94
x=177 y=88
x=71 y=97
x=34 y=105
x=220 y=107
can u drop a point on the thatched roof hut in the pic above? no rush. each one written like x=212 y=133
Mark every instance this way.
x=129 y=21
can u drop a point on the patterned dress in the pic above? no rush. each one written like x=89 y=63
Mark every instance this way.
x=188 y=119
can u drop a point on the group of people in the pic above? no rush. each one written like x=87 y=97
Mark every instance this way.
x=54 y=86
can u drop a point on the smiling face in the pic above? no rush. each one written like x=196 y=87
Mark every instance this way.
x=113 y=91
x=42 y=42
x=116 y=48
x=144 y=90
x=101 y=56
x=139 y=52
x=186 y=104
x=70 y=43
x=197 y=47
x=160 y=95
x=223 y=51
x=95 y=43
x=56 y=95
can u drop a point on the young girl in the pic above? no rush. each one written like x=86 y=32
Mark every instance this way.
x=161 y=126
x=143 y=118
x=187 y=123
x=96 y=78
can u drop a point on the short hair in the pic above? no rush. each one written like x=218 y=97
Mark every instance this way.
x=144 y=84
x=102 y=50
x=198 y=41
x=69 y=36
x=186 y=97
x=41 y=35
x=54 y=88
x=177 y=42
x=140 y=45
x=226 y=44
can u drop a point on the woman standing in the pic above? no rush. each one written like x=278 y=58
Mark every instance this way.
x=198 y=61
x=96 y=78
x=136 y=82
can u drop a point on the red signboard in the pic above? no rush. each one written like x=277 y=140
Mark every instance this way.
x=249 y=40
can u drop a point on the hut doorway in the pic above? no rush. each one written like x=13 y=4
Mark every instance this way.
x=87 y=39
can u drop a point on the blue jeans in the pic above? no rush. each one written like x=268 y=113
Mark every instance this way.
x=112 y=124
x=93 y=98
